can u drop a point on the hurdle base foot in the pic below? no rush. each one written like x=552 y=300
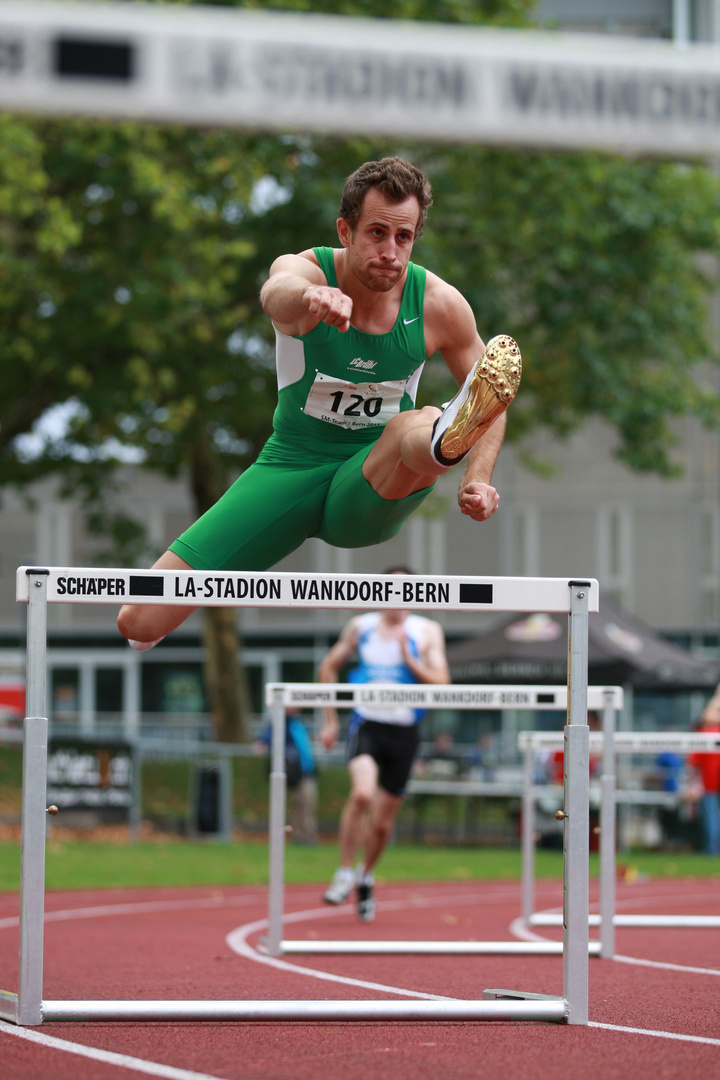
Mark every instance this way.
x=524 y=995
x=8 y=1006
x=264 y=946
x=518 y=995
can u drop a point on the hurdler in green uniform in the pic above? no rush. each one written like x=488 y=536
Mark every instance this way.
x=350 y=456
x=336 y=391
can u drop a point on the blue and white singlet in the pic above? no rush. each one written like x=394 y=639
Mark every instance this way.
x=381 y=660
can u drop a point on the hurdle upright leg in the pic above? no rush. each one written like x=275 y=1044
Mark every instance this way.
x=576 y=847
x=607 y=833
x=528 y=836
x=34 y=790
x=278 y=797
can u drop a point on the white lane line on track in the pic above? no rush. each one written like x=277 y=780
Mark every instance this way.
x=106 y=1057
x=141 y=907
x=520 y=930
x=663 y=964
x=706 y=1041
x=149 y=906
x=664 y=898
x=524 y=933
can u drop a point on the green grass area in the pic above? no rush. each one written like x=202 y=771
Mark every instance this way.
x=87 y=864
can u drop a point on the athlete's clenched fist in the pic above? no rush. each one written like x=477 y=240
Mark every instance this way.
x=329 y=305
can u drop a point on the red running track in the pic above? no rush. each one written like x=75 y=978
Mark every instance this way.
x=654 y=1010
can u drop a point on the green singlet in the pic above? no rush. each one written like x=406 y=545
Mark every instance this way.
x=307 y=480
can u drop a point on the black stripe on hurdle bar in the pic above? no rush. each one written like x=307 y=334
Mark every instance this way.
x=472 y=593
x=146 y=586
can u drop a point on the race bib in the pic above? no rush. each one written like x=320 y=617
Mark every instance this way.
x=353 y=405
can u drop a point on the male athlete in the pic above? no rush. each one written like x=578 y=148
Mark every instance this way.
x=395 y=647
x=350 y=457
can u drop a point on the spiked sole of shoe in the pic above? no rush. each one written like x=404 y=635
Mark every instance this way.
x=492 y=389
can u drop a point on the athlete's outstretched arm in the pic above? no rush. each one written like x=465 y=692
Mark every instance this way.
x=297 y=297
x=476 y=496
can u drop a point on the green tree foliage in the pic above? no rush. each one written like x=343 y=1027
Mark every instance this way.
x=604 y=269
x=130 y=293
x=485 y=12
x=125 y=282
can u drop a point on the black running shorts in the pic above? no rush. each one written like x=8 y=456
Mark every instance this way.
x=392 y=746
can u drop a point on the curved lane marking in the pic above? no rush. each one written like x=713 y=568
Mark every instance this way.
x=664 y=964
x=142 y=907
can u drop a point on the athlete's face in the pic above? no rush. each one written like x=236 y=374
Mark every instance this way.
x=395 y=617
x=379 y=247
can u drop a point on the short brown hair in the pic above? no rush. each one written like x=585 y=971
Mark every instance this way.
x=396 y=178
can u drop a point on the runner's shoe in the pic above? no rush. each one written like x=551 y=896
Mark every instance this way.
x=340 y=887
x=487 y=391
x=366 y=901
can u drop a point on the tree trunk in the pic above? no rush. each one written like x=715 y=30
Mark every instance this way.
x=225 y=675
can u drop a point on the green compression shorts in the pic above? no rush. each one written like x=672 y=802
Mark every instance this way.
x=272 y=508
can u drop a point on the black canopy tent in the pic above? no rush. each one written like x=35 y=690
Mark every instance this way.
x=623 y=651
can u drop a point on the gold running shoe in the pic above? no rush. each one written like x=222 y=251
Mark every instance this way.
x=487 y=391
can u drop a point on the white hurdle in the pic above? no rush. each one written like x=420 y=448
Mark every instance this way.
x=39 y=586
x=610 y=743
x=278 y=696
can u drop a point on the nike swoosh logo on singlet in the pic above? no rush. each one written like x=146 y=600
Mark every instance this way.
x=408 y=321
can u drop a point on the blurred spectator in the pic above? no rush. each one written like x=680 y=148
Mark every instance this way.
x=554 y=769
x=707 y=771
x=482 y=760
x=555 y=764
x=441 y=761
x=301 y=777
x=671 y=778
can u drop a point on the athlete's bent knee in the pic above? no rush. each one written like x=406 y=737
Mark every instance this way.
x=362 y=798
x=126 y=622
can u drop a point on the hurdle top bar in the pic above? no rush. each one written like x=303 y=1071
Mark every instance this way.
x=457 y=696
x=225 y=588
x=630 y=742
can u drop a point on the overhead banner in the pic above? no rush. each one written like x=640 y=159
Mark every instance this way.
x=290 y=72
